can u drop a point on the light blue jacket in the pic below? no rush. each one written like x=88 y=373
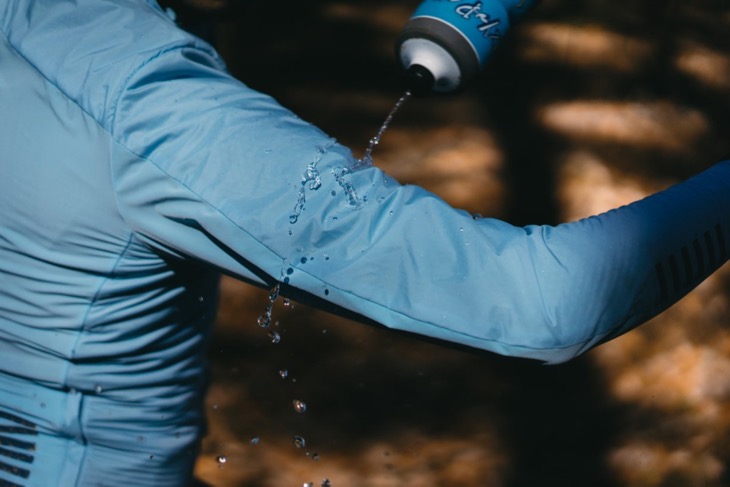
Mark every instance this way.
x=135 y=170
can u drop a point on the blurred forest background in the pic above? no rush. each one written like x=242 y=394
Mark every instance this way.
x=587 y=106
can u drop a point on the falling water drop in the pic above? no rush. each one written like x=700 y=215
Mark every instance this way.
x=274 y=336
x=299 y=441
x=221 y=459
x=264 y=320
x=254 y=440
x=274 y=294
x=299 y=406
x=283 y=373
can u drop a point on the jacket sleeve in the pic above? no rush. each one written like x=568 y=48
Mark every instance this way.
x=209 y=169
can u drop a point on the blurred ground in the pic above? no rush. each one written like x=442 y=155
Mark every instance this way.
x=589 y=105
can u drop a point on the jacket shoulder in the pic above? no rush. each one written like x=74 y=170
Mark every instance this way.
x=90 y=48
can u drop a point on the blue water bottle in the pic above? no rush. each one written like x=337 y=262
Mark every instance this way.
x=446 y=42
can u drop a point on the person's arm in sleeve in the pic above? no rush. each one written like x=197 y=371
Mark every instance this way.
x=212 y=170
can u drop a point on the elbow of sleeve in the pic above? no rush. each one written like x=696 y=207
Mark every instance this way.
x=561 y=324
x=573 y=325
x=559 y=342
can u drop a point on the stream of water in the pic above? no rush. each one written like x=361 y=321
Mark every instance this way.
x=367 y=159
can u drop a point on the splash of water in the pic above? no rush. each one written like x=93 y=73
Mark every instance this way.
x=310 y=180
x=349 y=189
x=367 y=159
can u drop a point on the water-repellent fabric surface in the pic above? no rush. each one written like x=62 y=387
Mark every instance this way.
x=136 y=169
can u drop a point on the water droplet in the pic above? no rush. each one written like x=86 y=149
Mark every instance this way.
x=201 y=299
x=461 y=229
x=315 y=456
x=477 y=216
x=290 y=271
x=326 y=257
x=283 y=373
x=152 y=457
x=299 y=442
x=299 y=406
x=274 y=336
x=221 y=459
x=215 y=407
x=254 y=440
x=326 y=292
x=333 y=192
x=308 y=484
x=326 y=483
x=303 y=260
x=287 y=302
